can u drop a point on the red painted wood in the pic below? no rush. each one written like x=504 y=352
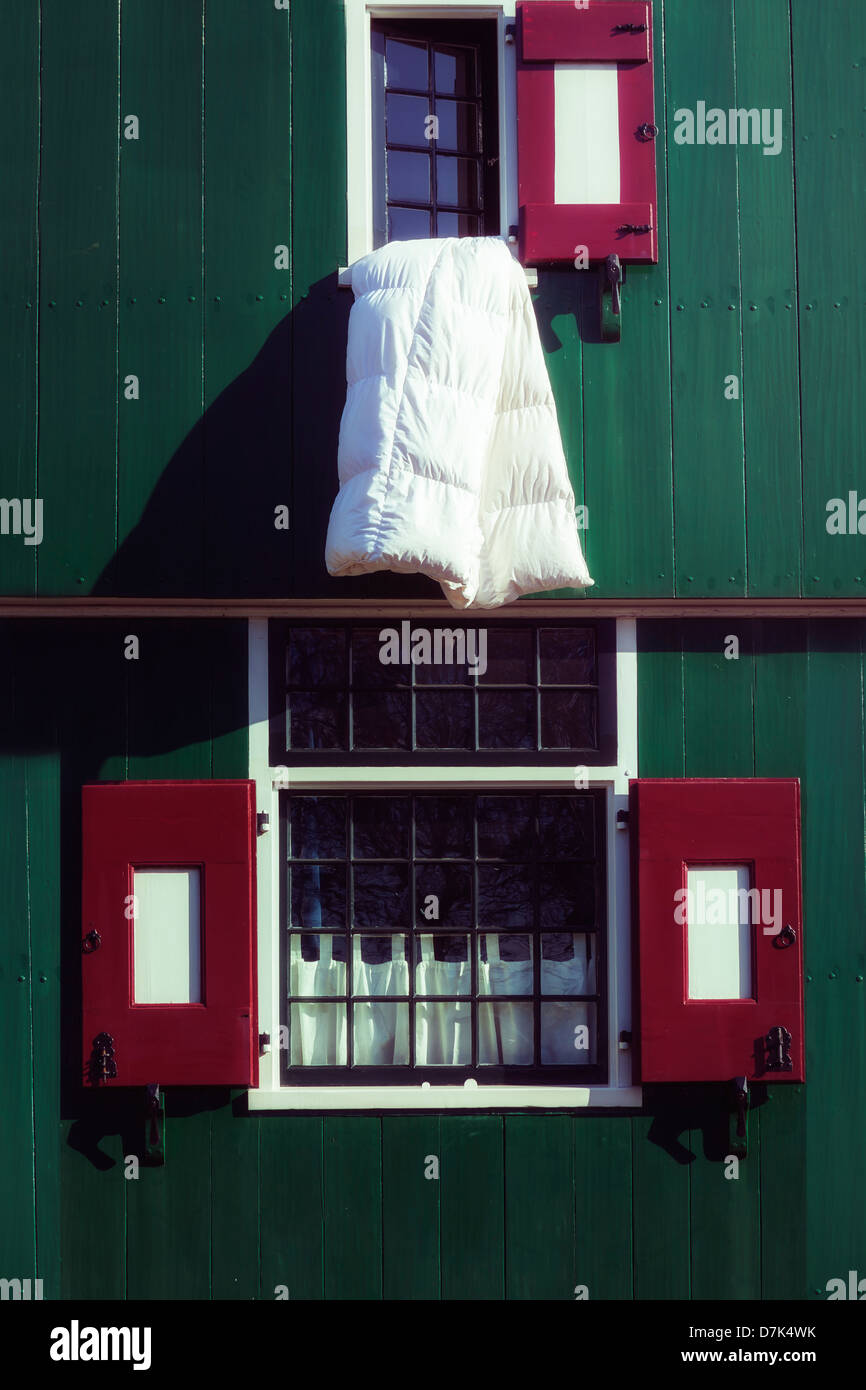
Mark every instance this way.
x=675 y=823
x=164 y=824
x=550 y=231
x=637 y=155
x=535 y=129
x=558 y=30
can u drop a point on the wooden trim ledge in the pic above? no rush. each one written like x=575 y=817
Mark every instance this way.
x=439 y=609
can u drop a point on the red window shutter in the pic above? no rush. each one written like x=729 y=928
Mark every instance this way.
x=675 y=824
x=140 y=825
x=554 y=33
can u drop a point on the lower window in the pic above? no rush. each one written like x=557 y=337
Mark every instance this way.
x=440 y=937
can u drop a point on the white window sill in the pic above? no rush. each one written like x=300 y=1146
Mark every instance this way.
x=427 y=1097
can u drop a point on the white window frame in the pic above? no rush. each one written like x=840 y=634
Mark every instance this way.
x=359 y=117
x=471 y=1095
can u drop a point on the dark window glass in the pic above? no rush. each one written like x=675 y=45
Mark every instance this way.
x=498 y=964
x=459 y=691
x=434 y=89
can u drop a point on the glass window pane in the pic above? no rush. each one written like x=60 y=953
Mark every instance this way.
x=406 y=121
x=317 y=1035
x=406 y=64
x=443 y=1034
x=381 y=719
x=381 y=1035
x=380 y=827
x=408 y=224
x=458 y=126
x=316 y=658
x=567 y=656
x=369 y=672
x=444 y=719
x=506 y=826
x=167 y=936
x=381 y=895
x=443 y=827
x=568 y=1034
x=450 y=887
x=568 y=719
x=505 y=1034
x=408 y=177
x=456 y=180
x=504 y=964
x=317 y=965
x=510 y=657
x=505 y=895
x=317 y=721
x=566 y=826
x=567 y=963
x=442 y=964
x=454 y=71
x=317 y=827
x=567 y=895
x=318 y=896
x=379 y=965
x=457 y=224
x=506 y=719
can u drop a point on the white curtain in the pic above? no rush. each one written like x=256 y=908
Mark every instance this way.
x=443 y=1034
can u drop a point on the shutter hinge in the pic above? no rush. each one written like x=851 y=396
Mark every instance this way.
x=263 y=822
x=510 y=33
x=622 y=820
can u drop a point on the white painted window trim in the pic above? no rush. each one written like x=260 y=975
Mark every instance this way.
x=359 y=121
x=270 y=1094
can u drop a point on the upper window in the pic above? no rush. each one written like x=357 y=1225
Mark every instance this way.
x=468 y=692
x=435 y=129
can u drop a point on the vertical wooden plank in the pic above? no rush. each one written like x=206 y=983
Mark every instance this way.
x=660 y=1178
x=660 y=720
x=43 y=894
x=709 y=507
x=410 y=1205
x=660 y=1193
x=781 y=654
x=247 y=388
x=718 y=698
x=540 y=1258
x=230 y=736
x=17 y=1209
x=292 y=1206
x=92 y=1171
x=603 y=1205
x=830 y=182
x=353 y=1206
x=725 y=1214
x=834 y=910
x=160 y=485
x=319 y=309
x=169 y=1208
x=473 y=1207
x=19 y=159
x=627 y=395
x=725 y=1211
x=234 y=1143
x=77 y=294
x=770 y=383
x=558 y=305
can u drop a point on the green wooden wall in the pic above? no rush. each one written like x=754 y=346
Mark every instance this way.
x=526 y=1206
x=156 y=257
